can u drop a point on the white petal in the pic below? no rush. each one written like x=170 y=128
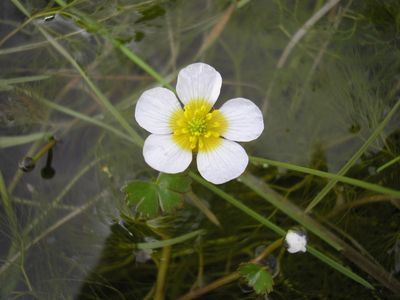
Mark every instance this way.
x=163 y=154
x=198 y=81
x=226 y=162
x=154 y=109
x=245 y=120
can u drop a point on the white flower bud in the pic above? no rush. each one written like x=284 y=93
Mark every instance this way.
x=296 y=241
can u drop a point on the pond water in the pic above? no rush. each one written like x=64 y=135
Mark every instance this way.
x=326 y=76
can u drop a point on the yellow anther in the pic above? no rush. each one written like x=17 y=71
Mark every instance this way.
x=201 y=144
x=197 y=127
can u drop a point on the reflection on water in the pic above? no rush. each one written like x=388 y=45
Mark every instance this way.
x=65 y=230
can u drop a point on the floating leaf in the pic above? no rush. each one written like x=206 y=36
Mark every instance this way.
x=258 y=277
x=163 y=196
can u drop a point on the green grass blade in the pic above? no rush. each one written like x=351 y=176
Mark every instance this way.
x=17 y=80
x=8 y=208
x=86 y=118
x=32 y=46
x=142 y=64
x=338 y=267
x=290 y=209
x=238 y=204
x=354 y=158
x=100 y=96
x=15 y=239
x=128 y=53
x=21 y=7
x=388 y=164
x=278 y=230
x=344 y=179
x=170 y=242
x=11 y=141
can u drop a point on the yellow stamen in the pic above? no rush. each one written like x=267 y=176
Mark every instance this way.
x=197 y=127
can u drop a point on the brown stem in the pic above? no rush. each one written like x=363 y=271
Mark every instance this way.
x=45 y=149
x=232 y=276
x=363 y=201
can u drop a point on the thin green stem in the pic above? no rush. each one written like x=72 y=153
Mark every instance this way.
x=128 y=53
x=232 y=276
x=141 y=63
x=344 y=179
x=49 y=145
x=172 y=241
x=371 y=267
x=159 y=293
x=8 y=208
x=21 y=7
x=100 y=96
x=353 y=159
x=238 y=204
x=280 y=231
x=337 y=266
x=11 y=141
x=388 y=164
x=290 y=209
x=17 y=80
x=86 y=118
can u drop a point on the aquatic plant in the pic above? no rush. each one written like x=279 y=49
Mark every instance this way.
x=107 y=226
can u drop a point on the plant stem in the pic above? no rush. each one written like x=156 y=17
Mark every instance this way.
x=290 y=209
x=162 y=273
x=359 y=202
x=375 y=270
x=100 y=96
x=170 y=242
x=232 y=276
x=85 y=118
x=371 y=267
x=238 y=204
x=388 y=164
x=353 y=159
x=356 y=182
x=50 y=144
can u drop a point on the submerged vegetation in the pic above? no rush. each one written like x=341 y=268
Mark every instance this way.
x=324 y=73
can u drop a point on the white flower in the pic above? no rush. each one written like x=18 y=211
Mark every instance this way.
x=198 y=128
x=296 y=241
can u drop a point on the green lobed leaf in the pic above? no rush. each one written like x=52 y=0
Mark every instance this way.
x=175 y=182
x=258 y=277
x=153 y=198
x=144 y=196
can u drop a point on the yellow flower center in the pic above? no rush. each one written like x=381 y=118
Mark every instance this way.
x=198 y=128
